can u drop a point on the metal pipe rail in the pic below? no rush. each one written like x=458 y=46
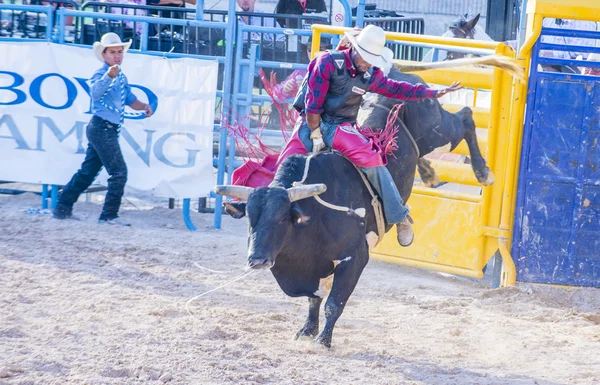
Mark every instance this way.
x=469 y=237
x=63 y=12
x=45 y=9
x=430 y=41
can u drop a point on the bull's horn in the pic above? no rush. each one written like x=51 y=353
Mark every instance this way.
x=239 y=192
x=303 y=192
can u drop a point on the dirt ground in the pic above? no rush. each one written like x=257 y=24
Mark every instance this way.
x=83 y=303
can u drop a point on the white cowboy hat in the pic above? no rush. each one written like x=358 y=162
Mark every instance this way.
x=369 y=43
x=109 y=39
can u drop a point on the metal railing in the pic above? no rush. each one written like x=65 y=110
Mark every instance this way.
x=26 y=21
x=207 y=38
x=412 y=25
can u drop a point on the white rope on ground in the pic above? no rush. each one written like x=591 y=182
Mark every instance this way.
x=243 y=275
x=207 y=269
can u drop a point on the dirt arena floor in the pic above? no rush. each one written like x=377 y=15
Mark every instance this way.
x=83 y=303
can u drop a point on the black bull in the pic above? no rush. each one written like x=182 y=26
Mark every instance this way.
x=306 y=244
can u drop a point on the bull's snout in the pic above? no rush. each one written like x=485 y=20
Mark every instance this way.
x=259 y=262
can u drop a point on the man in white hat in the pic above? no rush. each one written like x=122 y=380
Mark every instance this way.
x=110 y=93
x=329 y=102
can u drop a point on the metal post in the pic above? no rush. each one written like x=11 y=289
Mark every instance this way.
x=61 y=25
x=229 y=42
x=49 y=23
x=186 y=215
x=54 y=196
x=202 y=204
x=348 y=10
x=360 y=13
x=200 y=10
x=44 y=196
x=144 y=38
x=522 y=25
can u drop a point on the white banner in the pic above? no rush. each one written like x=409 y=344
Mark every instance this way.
x=45 y=108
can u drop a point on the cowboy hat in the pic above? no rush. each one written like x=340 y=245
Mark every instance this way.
x=369 y=43
x=109 y=39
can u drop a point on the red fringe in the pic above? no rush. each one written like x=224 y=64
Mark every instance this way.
x=288 y=114
x=385 y=138
x=247 y=142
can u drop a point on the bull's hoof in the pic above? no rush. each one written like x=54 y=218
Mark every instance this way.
x=306 y=334
x=486 y=180
x=303 y=337
x=323 y=342
x=434 y=183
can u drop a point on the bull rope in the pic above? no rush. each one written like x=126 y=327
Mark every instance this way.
x=361 y=212
x=392 y=118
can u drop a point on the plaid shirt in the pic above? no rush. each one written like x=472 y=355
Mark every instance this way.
x=322 y=67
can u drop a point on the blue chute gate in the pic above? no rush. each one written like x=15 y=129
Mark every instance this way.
x=557 y=221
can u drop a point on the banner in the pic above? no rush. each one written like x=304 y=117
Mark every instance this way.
x=45 y=108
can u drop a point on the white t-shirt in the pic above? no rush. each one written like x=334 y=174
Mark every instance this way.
x=267 y=21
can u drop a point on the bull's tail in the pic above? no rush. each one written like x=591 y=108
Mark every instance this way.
x=499 y=61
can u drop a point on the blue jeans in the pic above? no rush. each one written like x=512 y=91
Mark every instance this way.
x=103 y=150
x=380 y=177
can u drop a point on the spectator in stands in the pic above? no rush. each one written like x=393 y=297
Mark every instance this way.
x=297 y=7
x=110 y=92
x=69 y=20
x=265 y=21
x=130 y=11
x=167 y=3
x=177 y=30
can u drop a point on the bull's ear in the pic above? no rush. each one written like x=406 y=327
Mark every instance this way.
x=236 y=209
x=298 y=217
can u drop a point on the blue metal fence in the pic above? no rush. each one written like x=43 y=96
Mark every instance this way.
x=557 y=221
x=14 y=23
x=226 y=59
x=196 y=33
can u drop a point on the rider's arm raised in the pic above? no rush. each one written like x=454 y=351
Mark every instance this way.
x=399 y=90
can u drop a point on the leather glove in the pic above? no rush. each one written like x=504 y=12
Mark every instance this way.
x=317 y=139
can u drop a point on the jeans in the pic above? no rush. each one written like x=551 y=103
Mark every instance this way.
x=103 y=150
x=380 y=177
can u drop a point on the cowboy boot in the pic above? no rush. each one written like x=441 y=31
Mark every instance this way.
x=406 y=236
